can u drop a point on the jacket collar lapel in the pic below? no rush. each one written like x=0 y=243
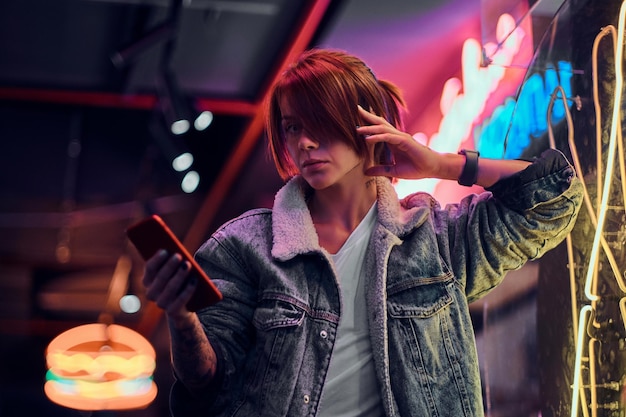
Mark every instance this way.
x=292 y=225
x=293 y=229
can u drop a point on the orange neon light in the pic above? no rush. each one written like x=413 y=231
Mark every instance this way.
x=100 y=367
x=463 y=100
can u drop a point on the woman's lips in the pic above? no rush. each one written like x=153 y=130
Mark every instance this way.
x=312 y=164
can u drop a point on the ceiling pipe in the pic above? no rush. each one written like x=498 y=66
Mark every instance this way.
x=116 y=100
x=162 y=33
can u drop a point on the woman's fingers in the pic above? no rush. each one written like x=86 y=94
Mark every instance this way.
x=372 y=119
x=159 y=270
x=412 y=160
x=167 y=281
x=179 y=301
x=380 y=130
x=173 y=277
x=153 y=266
x=398 y=141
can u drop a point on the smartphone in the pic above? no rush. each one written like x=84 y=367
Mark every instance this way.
x=388 y=158
x=151 y=234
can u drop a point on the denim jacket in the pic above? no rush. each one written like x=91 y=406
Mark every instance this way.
x=275 y=328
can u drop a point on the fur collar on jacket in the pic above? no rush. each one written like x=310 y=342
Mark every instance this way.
x=294 y=232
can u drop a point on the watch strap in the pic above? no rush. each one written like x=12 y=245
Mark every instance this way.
x=470 y=169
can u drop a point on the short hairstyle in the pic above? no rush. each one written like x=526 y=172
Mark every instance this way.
x=323 y=88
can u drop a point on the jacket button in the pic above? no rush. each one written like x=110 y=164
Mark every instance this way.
x=307 y=399
x=323 y=334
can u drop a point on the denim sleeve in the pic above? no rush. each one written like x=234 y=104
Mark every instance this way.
x=548 y=177
x=518 y=219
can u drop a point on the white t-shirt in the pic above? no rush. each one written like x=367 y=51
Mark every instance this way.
x=351 y=389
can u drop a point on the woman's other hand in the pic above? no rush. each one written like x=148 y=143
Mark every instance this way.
x=168 y=283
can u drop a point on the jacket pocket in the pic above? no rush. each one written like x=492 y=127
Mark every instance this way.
x=277 y=313
x=280 y=327
x=427 y=344
x=419 y=297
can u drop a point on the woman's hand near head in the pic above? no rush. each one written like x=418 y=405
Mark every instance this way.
x=168 y=283
x=412 y=160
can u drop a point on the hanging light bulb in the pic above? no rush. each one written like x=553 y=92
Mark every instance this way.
x=173 y=106
x=190 y=182
x=203 y=121
x=182 y=162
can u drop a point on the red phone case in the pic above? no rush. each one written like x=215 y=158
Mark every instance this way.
x=151 y=234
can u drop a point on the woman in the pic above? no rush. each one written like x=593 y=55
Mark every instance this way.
x=342 y=300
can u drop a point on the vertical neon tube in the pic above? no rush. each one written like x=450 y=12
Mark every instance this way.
x=577 y=386
x=615 y=123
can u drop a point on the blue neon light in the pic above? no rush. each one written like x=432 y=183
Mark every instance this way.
x=525 y=119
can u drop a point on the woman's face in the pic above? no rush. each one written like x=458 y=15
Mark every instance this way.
x=324 y=163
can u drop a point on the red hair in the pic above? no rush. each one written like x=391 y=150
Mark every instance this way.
x=323 y=88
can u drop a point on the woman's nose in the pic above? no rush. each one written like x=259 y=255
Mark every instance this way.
x=306 y=143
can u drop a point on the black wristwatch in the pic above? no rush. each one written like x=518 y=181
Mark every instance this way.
x=470 y=169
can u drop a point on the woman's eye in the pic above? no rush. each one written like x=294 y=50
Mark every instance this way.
x=291 y=129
